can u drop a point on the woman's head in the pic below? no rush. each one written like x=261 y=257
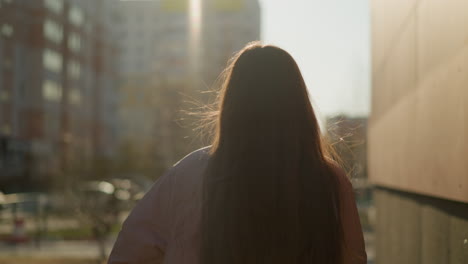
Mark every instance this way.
x=264 y=94
x=269 y=195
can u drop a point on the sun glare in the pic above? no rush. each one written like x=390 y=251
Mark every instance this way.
x=195 y=17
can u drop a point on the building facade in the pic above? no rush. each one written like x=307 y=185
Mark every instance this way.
x=138 y=29
x=138 y=35
x=227 y=27
x=418 y=140
x=173 y=51
x=52 y=76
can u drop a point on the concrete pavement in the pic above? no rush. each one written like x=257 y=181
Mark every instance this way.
x=56 y=249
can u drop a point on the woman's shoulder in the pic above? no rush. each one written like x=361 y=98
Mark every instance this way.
x=194 y=158
x=339 y=173
x=190 y=168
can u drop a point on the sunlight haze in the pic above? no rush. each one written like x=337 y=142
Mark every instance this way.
x=330 y=42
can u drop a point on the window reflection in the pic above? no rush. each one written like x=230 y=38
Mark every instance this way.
x=76 y=15
x=4 y=95
x=75 y=96
x=7 y=30
x=54 y=5
x=74 y=69
x=74 y=42
x=53 y=31
x=52 y=60
x=51 y=90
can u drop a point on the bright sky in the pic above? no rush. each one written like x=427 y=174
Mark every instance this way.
x=330 y=40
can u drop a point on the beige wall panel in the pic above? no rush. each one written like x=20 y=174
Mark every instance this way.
x=418 y=131
x=389 y=19
x=442 y=113
x=390 y=145
x=378 y=33
x=421 y=143
x=394 y=54
x=442 y=32
x=398 y=75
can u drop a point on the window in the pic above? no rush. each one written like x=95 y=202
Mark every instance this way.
x=51 y=90
x=74 y=42
x=75 y=96
x=6 y=130
x=7 y=64
x=74 y=69
x=76 y=15
x=7 y=30
x=4 y=95
x=53 y=31
x=54 y=5
x=52 y=60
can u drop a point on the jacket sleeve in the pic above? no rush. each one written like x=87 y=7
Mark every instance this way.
x=354 y=246
x=147 y=230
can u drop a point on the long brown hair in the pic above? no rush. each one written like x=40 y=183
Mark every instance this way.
x=269 y=192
